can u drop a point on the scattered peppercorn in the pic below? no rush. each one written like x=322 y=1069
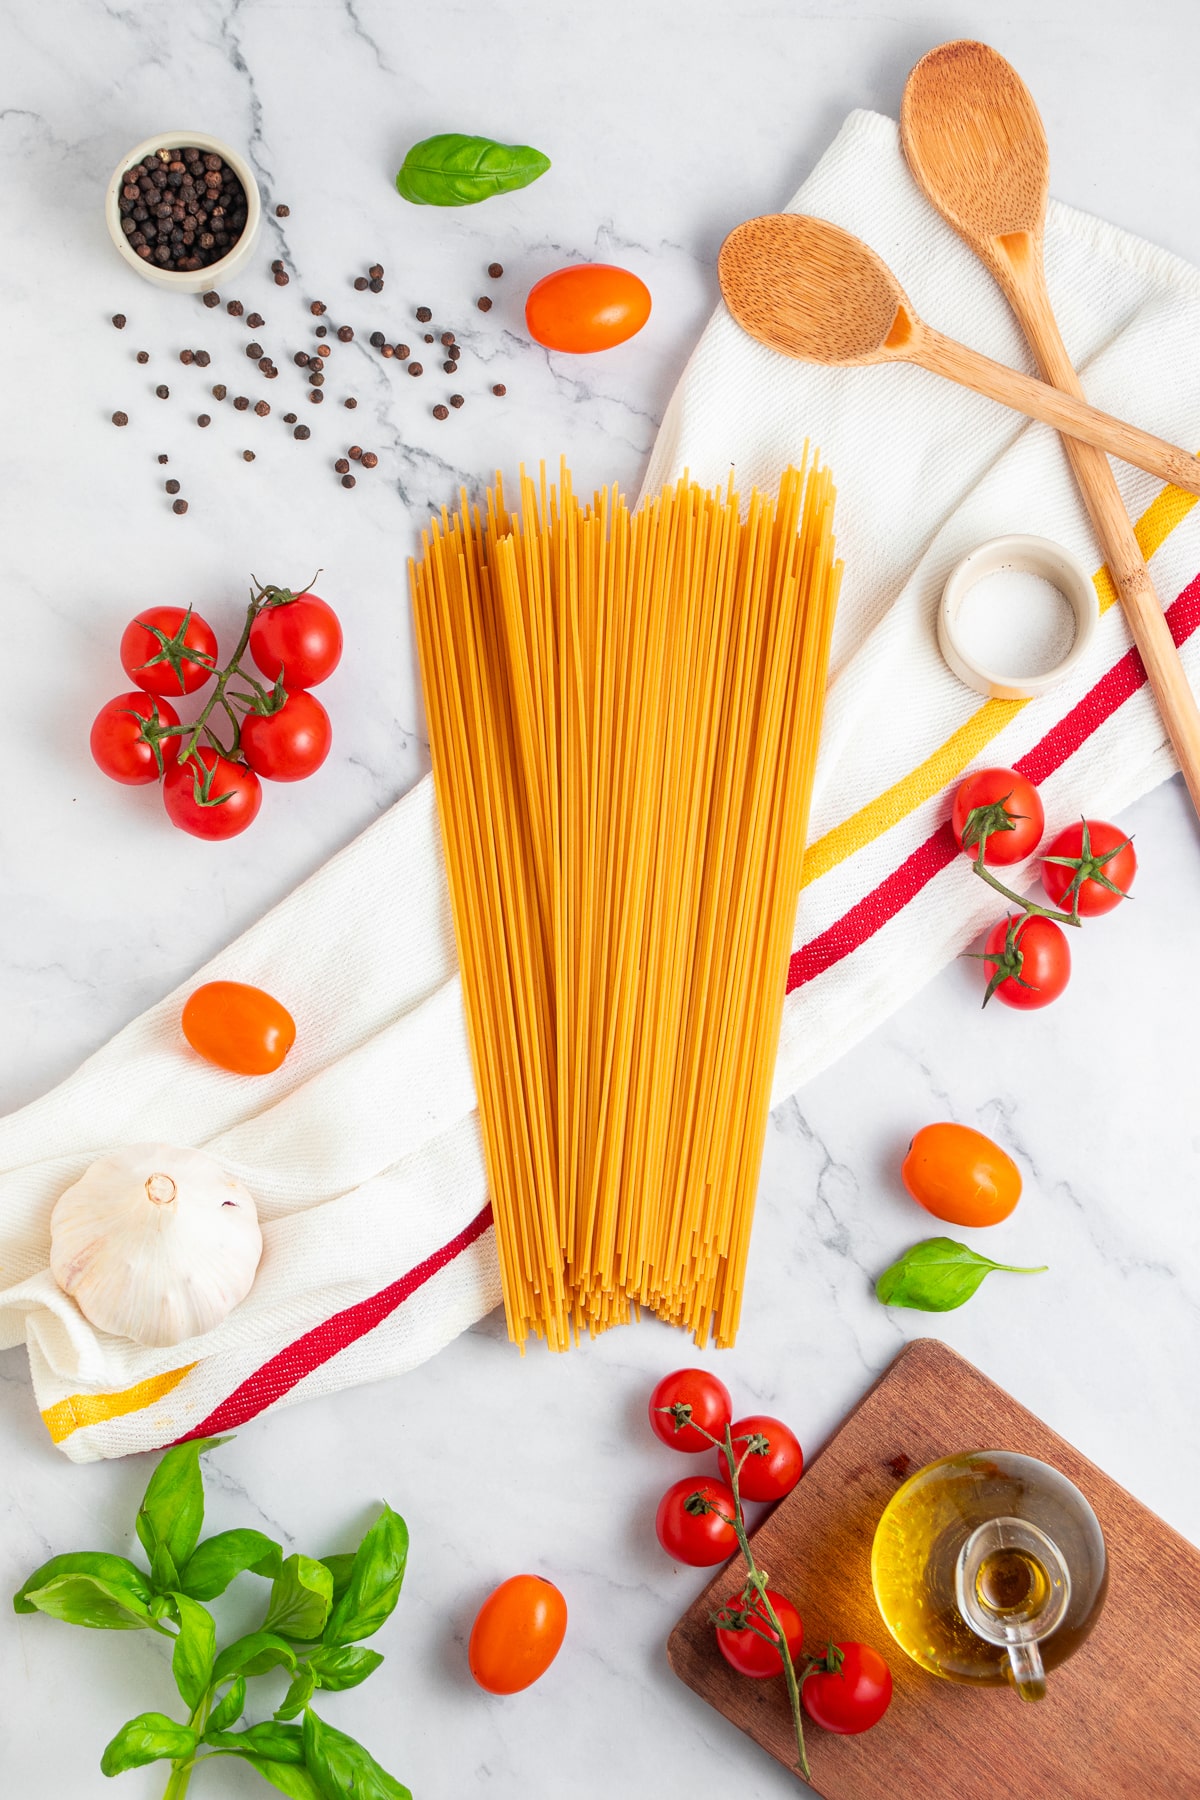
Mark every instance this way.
x=255 y=320
x=322 y=331
x=456 y=400
x=449 y=367
x=454 y=352
x=387 y=350
x=276 y=266
x=414 y=368
x=375 y=285
x=241 y=403
x=302 y=431
x=317 y=308
x=355 y=453
x=316 y=379
x=202 y=359
x=118 y=320
x=345 y=333
x=377 y=339
x=162 y=392
x=361 y=284
x=447 y=337
x=300 y=358
x=212 y=298
x=203 y=419
x=247 y=456
x=350 y=401
x=402 y=351
x=376 y=271
x=495 y=270
x=120 y=418
x=441 y=412
x=424 y=314
x=347 y=481
x=483 y=303
x=316 y=396
x=220 y=391
x=254 y=351
x=342 y=466
x=187 y=356
x=234 y=308
x=314 y=363
x=369 y=459
x=265 y=364
x=143 y=356
x=179 y=506
x=324 y=350
x=289 y=418
x=283 y=212
x=172 y=487
x=500 y=388
x=281 y=278
x=271 y=372
x=428 y=338
x=262 y=408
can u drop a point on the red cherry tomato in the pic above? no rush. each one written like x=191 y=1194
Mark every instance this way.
x=238 y=1027
x=1013 y=808
x=696 y=1537
x=747 y=1652
x=590 y=306
x=709 y=1403
x=853 y=1698
x=118 y=744
x=167 y=650
x=766 y=1474
x=517 y=1634
x=1094 y=854
x=289 y=744
x=1028 y=961
x=300 y=639
x=216 y=801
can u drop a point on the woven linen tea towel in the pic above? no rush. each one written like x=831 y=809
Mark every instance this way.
x=364 y=1149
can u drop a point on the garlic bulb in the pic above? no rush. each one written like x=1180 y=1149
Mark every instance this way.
x=155 y=1244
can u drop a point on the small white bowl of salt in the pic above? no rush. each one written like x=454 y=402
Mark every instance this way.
x=1016 y=615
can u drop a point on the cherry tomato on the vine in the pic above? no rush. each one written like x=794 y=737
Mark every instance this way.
x=1089 y=867
x=765 y=1474
x=300 y=639
x=168 y=650
x=238 y=1027
x=1009 y=805
x=518 y=1631
x=692 y=1521
x=708 y=1399
x=1027 y=962
x=289 y=744
x=589 y=306
x=852 y=1698
x=216 y=800
x=118 y=744
x=959 y=1175
x=748 y=1652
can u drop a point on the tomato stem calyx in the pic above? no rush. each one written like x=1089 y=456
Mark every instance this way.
x=1089 y=866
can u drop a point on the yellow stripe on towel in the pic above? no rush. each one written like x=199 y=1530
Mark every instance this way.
x=78 y=1410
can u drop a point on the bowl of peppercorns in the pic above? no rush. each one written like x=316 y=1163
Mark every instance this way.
x=183 y=209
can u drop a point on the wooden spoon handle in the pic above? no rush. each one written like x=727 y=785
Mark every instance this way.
x=1068 y=414
x=1143 y=610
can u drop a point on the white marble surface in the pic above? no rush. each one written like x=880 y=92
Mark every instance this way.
x=665 y=125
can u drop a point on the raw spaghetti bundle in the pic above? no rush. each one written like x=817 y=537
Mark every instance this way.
x=624 y=712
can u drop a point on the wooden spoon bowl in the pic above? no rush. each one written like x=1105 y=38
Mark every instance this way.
x=812 y=290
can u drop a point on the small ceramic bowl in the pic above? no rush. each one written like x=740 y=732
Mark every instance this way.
x=1031 y=556
x=191 y=281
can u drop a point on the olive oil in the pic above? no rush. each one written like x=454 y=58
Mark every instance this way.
x=989 y=1568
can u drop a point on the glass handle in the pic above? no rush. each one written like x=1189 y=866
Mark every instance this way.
x=1028 y=1675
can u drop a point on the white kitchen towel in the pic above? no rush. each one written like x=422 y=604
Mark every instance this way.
x=364 y=1149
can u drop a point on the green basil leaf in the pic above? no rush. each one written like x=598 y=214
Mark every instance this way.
x=340 y=1766
x=254 y=1655
x=164 y=1576
x=172 y=1509
x=298 y=1695
x=278 y=1743
x=195 y=1648
x=375 y=1578
x=290 y=1778
x=229 y=1707
x=117 y=1571
x=337 y=1666
x=220 y=1559
x=939 y=1274
x=151 y=1737
x=454 y=170
x=91 y=1600
x=340 y=1566
x=301 y=1596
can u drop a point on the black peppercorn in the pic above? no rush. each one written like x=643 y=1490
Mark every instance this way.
x=441 y=412
x=283 y=212
x=495 y=270
x=314 y=363
x=276 y=266
x=301 y=431
x=449 y=367
x=347 y=481
x=355 y=453
x=414 y=368
x=324 y=350
x=234 y=308
x=322 y=331
x=424 y=314
x=172 y=487
x=447 y=337
x=301 y=359
x=118 y=320
x=212 y=298
x=499 y=388
x=454 y=352
x=265 y=364
x=375 y=285
x=428 y=338
x=350 y=401
x=241 y=403
x=345 y=333
x=317 y=308
x=202 y=359
x=342 y=466
x=376 y=271
x=316 y=379
x=262 y=408
x=179 y=506
x=162 y=392
x=254 y=320
x=289 y=418
x=483 y=303
x=369 y=459
x=361 y=284
x=143 y=356
x=120 y=418
x=281 y=278
x=203 y=419
x=316 y=396
x=163 y=458
x=254 y=351
x=387 y=350
x=220 y=391
x=402 y=352
x=377 y=339
x=456 y=400
x=187 y=356
x=247 y=456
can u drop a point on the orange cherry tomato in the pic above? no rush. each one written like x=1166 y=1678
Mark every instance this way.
x=517 y=1634
x=591 y=306
x=239 y=1028
x=959 y=1175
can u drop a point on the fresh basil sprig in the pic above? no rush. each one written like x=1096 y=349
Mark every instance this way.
x=454 y=170
x=939 y=1274
x=316 y=1613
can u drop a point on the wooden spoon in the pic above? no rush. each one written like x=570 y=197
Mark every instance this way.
x=812 y=290
x=975 y=143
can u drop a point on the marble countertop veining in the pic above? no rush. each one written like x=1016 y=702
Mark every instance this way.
x=665 y=125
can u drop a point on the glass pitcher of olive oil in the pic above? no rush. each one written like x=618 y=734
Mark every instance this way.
x=990 y=1568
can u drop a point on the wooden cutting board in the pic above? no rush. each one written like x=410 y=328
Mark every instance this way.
x=1121 y=1718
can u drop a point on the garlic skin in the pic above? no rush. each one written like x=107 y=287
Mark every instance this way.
x=155 y=1243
